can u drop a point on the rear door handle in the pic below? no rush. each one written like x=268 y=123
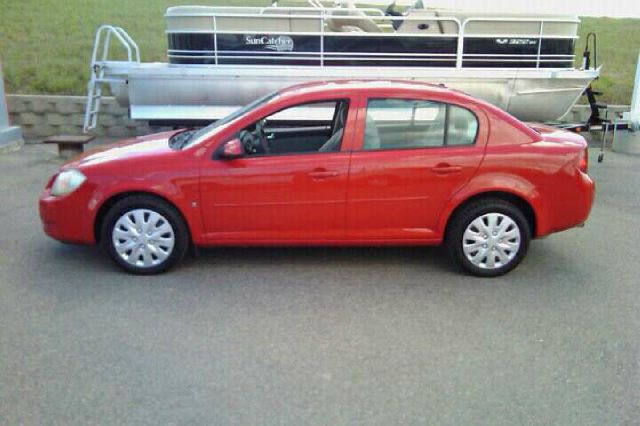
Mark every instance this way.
x=446 y=169
x=323 y=174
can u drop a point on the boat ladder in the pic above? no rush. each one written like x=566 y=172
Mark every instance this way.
x=97 y=69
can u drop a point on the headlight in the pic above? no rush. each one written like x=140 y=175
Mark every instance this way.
x=66 y=182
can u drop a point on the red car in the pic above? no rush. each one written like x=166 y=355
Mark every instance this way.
x=330 y=163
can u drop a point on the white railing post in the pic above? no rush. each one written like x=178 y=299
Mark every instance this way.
x=540 y=44
x=322 y=22
x=634 y=115
x=460 y=51
x=215 y=39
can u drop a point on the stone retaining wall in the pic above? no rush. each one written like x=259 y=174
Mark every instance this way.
x=41 y=116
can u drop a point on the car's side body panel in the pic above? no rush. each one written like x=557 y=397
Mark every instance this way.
x=156 y=170
x=271 y=198
x=399 y=193
x=542 y=174
x=179 y=187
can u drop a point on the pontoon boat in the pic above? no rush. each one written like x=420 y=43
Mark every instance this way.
x=220 y=58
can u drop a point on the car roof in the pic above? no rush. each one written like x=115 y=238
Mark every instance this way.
x=369 y=84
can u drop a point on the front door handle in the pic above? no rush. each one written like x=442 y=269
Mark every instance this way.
x=323 y=174
x=446 y=169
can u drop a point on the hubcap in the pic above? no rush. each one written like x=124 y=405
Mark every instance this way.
x=143 y=238
x=491 y=241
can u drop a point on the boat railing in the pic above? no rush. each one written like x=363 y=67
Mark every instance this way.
x=99 y=59
x=540 y=36
x=106 y=31
x=322 y=54
x=459 y=57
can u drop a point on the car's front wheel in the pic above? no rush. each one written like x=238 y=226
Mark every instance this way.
x=489 y=237
x=144 y=235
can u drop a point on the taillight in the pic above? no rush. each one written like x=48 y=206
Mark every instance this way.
x=583 y=161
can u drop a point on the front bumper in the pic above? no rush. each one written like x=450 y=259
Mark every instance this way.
x=67 y=218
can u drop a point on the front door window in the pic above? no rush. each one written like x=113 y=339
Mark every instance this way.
x=306 y=128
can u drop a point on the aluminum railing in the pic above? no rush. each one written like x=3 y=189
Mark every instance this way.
x=97 y=77
x=384 y=22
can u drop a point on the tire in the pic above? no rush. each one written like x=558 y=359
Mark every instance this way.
x=490 y=237
x=144 y=235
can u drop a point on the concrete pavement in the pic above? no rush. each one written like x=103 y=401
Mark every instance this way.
x=321 y=336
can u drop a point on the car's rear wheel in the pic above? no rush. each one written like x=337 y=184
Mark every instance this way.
x=144 y=235
x=489 y=237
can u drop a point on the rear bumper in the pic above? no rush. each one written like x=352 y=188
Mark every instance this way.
x=572 y=209
x=586 y=195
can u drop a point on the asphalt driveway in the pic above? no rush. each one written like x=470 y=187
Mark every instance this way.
x=321 y=336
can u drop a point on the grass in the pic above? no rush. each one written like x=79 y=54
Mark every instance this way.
x=618 y=49
x=45 y=45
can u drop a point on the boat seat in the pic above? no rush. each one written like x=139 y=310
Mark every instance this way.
x=255 y=21
x=351 y=20
x=200 y=18
x=297 y=24
x=422 y=22
x=181 y=19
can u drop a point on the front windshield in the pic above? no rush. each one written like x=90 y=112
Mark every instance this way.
x=198 y=134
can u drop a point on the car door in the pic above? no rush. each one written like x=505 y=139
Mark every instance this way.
x=411 y=155
x=281 y=196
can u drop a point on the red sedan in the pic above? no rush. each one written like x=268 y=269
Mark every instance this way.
x=329 y=163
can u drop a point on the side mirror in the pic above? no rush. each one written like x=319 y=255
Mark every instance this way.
x=232 y=149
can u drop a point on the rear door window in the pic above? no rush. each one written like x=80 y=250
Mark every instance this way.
x=406 y=123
